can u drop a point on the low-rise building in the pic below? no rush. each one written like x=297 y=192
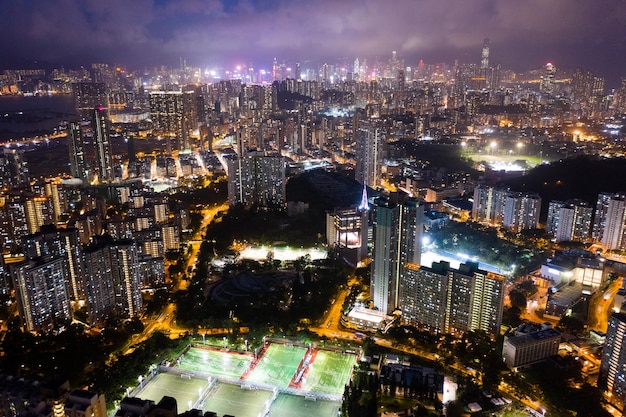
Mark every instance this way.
x=520 y=351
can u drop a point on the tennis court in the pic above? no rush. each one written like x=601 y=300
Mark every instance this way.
x=286 y=405
x=186 y=390
x=214 y=362
x=278 y=365
x=329 y=372
x=233 y=400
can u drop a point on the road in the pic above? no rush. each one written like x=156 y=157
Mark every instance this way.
x=330 y=326
x=165 y=321
x=601 y=307
x=208 y=214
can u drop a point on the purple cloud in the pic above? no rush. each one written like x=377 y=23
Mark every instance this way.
x=523 y=34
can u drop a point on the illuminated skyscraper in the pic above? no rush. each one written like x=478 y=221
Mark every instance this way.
x=76 y=147
x=488 y=206
x=256 y=178
x=513 y=210
x=398 y=231
x=484 y=66
x=166 y=113
x=484 y=61
x=370 y=141
x=612 y=375
x=614 y=232
x=452 y=300
x=41 y=293
x=569 y=221
x=599 y=217
x=102 y=143
x=548 y=79
x=13 y=168
x=112 y=281
x=521 y=211
x=61 y=243
x=89 y=96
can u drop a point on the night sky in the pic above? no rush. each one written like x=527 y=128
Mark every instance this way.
x=524 y=34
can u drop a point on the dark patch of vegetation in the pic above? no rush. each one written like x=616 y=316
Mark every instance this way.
x=112 y=379
x=559 y=383
x=263 y=227
x=215 y=193
x=66 y=352
x=281 y=310
x=435 y=156
x=573 y=178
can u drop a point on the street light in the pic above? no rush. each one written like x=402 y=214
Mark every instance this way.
x=493 y=147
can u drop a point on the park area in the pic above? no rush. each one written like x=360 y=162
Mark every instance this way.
x=230 y=383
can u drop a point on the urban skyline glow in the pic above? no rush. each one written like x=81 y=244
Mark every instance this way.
x=524 y=35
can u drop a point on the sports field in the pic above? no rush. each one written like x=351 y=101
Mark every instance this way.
x=215 y=363
x=234 y=400
x=329 y=372
x=185 y=390
x=286 y=405
x=277 y=365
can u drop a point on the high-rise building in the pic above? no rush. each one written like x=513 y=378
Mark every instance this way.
x=488 y=205
x=398 y=231
x=613 y=235
x=599 y=217
x=570 y=220
x=521 y=211
x=76 y=147
x=166 y=113
x=102 y=143
x=585 y=85
x=612 y=375
x=13 y=169
x=13 y=218
x=423 y=300
x=346 y=229
x=112 y=282
x=38 y=212
x=89 y=96
x=548 y=79
x=370 y=141
x=256 y=179
x=58 y=243
x=43 y=299
x=484 y=65
x=452 y=300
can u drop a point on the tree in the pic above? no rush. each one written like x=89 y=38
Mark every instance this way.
x=571 y=324
x=518 y=299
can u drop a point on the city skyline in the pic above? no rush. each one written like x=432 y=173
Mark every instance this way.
x=229 y=32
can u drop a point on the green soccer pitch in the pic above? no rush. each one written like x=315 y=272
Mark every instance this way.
x=287 y=405
x=278 y=365
x=329 y=373
x=215 y=363
x=233 y=400
x=185 y=389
